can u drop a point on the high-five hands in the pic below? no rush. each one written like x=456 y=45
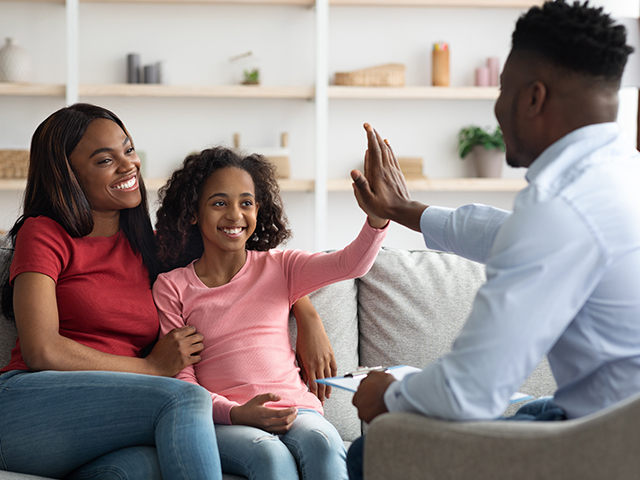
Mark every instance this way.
x=382 y=191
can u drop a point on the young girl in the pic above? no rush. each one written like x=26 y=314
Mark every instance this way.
x=222 y=216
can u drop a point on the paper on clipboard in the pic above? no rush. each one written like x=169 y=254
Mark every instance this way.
x=352 y=383
x=399 y=372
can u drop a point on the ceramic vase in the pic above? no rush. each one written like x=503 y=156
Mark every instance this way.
x=15 y=63
x=488 y=162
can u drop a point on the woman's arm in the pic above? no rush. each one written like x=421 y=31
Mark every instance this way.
x=313 y=348
x=43 y=348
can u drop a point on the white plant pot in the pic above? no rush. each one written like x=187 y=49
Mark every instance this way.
x=488 y=162
x=15 y=63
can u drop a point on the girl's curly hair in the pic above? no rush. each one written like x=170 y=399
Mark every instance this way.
x=180 y=242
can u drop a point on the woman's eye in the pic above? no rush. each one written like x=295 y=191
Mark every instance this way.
x=130 y=151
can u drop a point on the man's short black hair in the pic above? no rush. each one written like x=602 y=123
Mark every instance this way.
x=575 y=36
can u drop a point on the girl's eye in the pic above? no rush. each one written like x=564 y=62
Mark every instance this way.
x=247 y=203
x=105 y=161
x=219 y=203
x=130 y=151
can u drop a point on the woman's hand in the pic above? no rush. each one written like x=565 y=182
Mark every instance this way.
x=313 y=349
x=255 y=414
x=176 y=350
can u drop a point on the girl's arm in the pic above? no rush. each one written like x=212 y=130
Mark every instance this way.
x=313 y=348
x=43 y=348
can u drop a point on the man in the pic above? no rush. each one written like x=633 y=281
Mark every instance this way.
x=563 y=268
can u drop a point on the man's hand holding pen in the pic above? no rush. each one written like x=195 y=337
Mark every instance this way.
x=369 y=398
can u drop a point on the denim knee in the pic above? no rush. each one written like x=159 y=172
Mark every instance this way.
x=269 y=453
x=193 y=397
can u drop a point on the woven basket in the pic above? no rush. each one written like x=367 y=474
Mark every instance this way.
x=390 y=75
x=14 y=163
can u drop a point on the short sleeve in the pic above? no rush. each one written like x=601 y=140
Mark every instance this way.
x=42 y=246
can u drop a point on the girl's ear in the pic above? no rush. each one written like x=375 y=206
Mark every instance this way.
x=194 y=220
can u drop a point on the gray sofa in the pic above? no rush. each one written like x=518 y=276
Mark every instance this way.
x=407 y=310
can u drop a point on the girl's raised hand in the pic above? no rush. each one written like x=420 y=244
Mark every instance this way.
x=255 y=414
x=175 y=351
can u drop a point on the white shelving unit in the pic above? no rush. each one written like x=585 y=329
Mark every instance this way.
x=320 y=93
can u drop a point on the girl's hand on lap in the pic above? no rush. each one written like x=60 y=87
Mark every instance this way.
x=255 y=414
x=175 y=351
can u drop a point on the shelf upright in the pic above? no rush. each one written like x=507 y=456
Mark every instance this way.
x=73 y=60
x=322 y=124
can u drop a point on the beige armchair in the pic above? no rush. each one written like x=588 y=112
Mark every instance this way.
x=601 y=446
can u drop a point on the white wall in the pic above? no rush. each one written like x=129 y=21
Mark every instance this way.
x=196 y=42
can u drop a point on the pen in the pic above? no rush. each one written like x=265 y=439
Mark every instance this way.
x=364 y=371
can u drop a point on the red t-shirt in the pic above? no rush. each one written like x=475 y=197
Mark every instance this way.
x=102 y=287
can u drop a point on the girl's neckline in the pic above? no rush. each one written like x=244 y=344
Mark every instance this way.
x=195 y=279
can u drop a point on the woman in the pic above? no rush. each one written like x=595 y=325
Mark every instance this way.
x=72 y=400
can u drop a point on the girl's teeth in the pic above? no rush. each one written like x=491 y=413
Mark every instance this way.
x=232 y=231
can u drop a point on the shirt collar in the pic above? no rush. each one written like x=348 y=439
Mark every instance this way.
x=553 y=154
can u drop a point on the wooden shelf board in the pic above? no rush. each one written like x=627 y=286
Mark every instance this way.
x=439 y=3
x=32 y=89
x=306 y=3
x=210 y=91
x=446 y=185
x=414 y=92
x=352 y=3
x=344 y=185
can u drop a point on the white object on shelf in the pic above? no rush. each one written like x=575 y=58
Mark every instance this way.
x=15 y=63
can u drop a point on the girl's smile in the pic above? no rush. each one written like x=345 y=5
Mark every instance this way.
x=227 y=211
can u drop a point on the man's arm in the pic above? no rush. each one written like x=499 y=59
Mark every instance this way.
x=542 y=269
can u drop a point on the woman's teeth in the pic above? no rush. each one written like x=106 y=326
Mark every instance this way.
x=127 y=184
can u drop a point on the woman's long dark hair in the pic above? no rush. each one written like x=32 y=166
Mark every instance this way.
x=53 y=190
x=180 y=242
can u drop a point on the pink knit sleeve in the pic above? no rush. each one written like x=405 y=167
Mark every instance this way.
x=307 y=272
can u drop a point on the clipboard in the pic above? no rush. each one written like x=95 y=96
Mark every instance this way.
x=351 y=380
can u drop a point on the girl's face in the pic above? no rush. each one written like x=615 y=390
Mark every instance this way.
x=107 y=167
x=227 y=210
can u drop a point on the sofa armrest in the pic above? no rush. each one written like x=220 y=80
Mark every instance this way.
x=409 y=446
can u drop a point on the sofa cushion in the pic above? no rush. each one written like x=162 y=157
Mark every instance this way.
x=413 y=305
x=338 y=307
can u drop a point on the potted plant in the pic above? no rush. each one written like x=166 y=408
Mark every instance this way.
x=251 y=77
x=485 y=146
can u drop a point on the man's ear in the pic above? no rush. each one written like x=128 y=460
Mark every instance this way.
x=537 y=98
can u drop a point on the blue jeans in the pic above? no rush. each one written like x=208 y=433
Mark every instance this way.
x=312 y=444
x=540 y=410
x=106 y=425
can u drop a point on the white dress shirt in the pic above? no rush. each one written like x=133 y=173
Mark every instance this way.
x=563 y=280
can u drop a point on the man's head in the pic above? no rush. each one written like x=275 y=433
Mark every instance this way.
x=563 y=73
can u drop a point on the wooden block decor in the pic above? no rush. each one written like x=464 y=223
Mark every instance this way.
x=389 y=75
x=14 y=163
x=411 y=167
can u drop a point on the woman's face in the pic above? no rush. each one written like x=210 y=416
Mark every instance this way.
x=107 y=167
x=227 y=210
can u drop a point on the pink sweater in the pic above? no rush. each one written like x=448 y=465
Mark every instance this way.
x=245 y=322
